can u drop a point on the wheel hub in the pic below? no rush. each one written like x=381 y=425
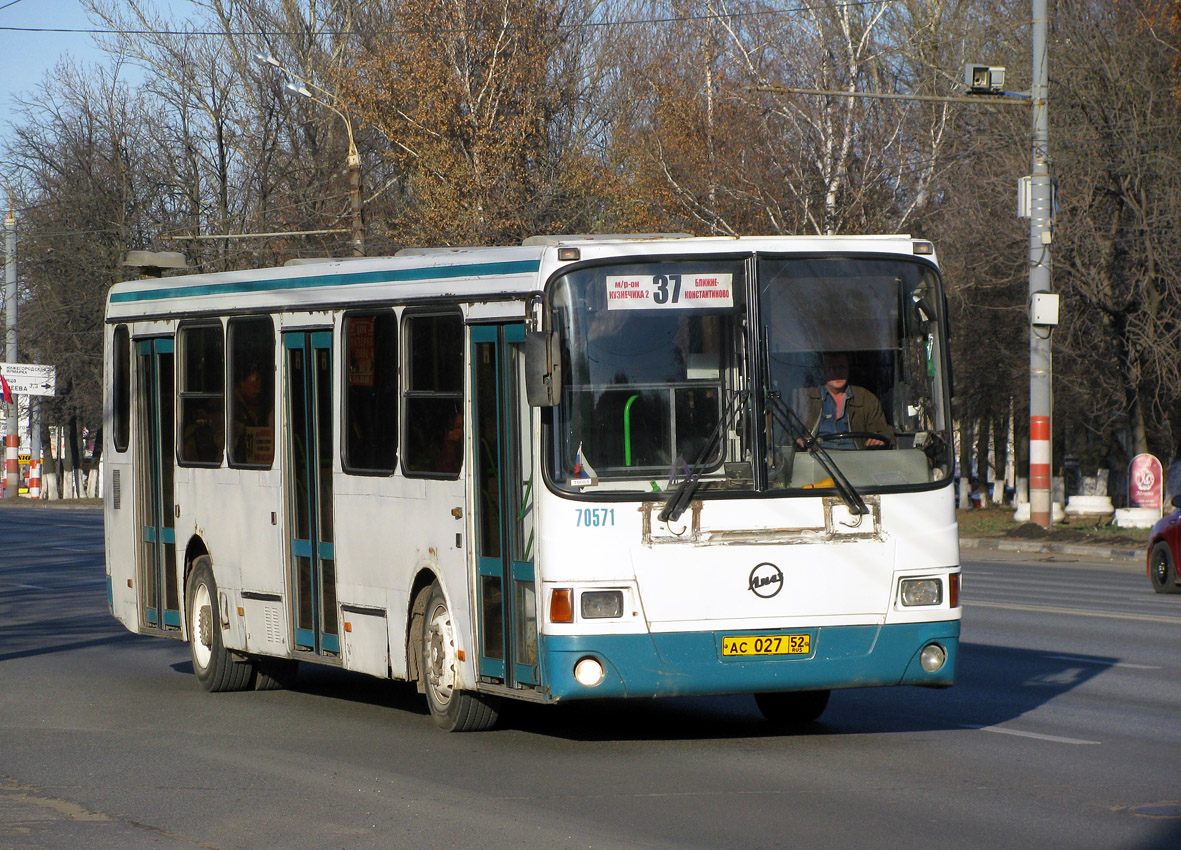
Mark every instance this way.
x=440 y=668
x=205 y=625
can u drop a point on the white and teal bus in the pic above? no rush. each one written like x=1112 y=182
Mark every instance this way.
x=572 y=469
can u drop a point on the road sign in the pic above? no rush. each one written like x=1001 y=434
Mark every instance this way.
x=30 y=378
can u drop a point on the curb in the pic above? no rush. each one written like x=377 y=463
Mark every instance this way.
x=1091 y=550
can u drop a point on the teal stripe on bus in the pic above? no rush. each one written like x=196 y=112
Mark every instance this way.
x=328 y=280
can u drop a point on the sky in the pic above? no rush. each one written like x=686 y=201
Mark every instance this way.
x=26 y=56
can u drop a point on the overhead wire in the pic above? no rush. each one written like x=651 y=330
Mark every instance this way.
x=344 y=33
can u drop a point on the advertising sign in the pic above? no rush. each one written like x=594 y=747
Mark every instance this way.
x=1146 y=482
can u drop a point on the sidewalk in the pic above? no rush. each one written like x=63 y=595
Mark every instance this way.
x=1122 y=552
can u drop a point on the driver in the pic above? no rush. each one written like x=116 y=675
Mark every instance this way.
x=839 y=407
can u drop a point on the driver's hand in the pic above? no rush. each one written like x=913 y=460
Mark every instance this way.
x=870 y=441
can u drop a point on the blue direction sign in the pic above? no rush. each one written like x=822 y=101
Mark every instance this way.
x=30 y=378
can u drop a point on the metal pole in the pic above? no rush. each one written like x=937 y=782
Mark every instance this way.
x=1041 y=450
x=34 y=447
x=12 y=437
x=354 y=164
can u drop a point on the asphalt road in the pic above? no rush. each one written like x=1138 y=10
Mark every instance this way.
x=1063 y=732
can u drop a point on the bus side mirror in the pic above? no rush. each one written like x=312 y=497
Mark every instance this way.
x=543 y=368
x=543 y=360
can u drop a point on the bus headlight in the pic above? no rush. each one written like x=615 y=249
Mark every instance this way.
x=589 y=671
x=601 y=604
x=932 y=657
x=920 y=591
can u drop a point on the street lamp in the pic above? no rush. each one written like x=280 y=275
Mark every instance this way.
x=353 y=161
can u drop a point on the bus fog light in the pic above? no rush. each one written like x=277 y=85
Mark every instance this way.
x=600 y=604
x=921 y=591
x=932 y=657
x=588 y=671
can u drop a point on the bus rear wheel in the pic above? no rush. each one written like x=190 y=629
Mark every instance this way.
x=216 y=667
x=453 y=710
x=792 y=708
x=274 y=674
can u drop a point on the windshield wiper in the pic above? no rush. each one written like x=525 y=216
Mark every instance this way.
x=680 y=500
x=797 y=430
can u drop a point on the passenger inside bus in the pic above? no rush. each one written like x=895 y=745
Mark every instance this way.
x=253 y=421
x=450 y=457
x=202 y=435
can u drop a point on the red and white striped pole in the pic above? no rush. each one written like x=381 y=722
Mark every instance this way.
x=1040 y=491
x=1041 y=230
x=35 y=478
x=12 y=462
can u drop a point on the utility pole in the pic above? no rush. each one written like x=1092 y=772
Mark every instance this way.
x=353 y=161
x=354 y=167
x=12 y=437
x=1041 y=449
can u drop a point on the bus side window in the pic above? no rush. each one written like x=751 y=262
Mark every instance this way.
x=251 y=343
x=371 y=393
x=433 y=395
x=121 y=387
x=202 y=395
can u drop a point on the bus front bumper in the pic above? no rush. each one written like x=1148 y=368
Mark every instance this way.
x=692 y=664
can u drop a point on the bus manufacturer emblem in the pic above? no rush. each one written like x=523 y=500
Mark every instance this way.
x=766 y=580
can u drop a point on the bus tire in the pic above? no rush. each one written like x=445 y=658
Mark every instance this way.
x=217 y=669
x=453 y=710
x=274 y=674
x=792 y=708
x=1162 y=570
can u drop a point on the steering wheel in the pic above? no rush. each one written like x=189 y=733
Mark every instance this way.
x=856 y=435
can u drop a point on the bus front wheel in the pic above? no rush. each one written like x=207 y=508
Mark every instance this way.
x=792 y=708
x=453 y=710
x=216 y=667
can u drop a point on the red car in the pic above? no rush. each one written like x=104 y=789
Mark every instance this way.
x=1164 y=551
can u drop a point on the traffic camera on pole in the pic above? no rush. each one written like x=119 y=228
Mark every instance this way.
x=984 y=79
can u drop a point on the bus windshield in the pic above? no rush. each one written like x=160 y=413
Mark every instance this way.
x=719 y=370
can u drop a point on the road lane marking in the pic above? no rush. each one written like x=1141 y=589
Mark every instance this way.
x=1082 y=612
x=64 y=585
x=1099 y=662
x=1057 y=739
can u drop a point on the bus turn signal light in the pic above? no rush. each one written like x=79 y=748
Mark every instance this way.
x=953 y=590
x=561 y=605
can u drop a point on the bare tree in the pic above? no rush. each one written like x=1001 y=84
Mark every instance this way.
x=1118 y=261
x=78 y=160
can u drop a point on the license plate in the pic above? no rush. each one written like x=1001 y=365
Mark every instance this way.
x=733 y=645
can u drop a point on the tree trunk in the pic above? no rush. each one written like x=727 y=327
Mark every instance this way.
x=70 y=460
x=51 y=471
x=965 y=465
x=94 y=476
x=983 y=432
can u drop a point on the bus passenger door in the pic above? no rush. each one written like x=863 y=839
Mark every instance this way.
x=309 y=489
x=158 y=591
x=503 y=470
